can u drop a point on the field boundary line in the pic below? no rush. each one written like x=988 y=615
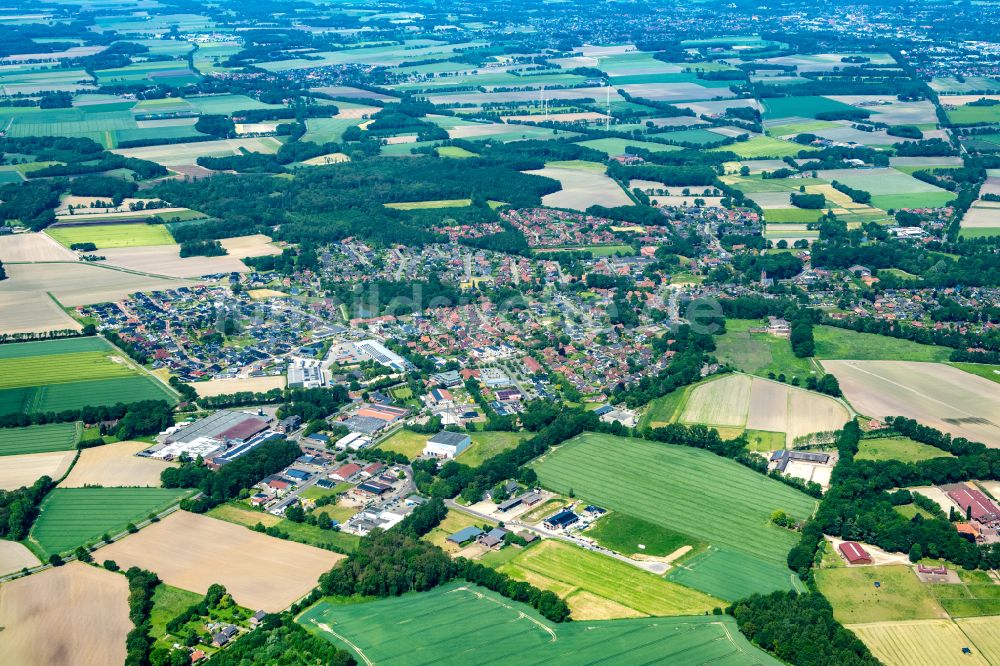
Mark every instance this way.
x=325 y=627
x=551 y=632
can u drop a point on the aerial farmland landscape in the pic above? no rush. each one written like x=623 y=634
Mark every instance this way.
x=383 y=332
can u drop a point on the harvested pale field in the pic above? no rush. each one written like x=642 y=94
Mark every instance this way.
x=720 y=402
x=115 y=465
x=257 y=245
x=686 y=202
x=358 y=113
x=225 y=386
x=768 y=406
x=812 y=412
x=984 y=632
x=75 y=615
x=192 y=551
x=582 y=188
x=587 y=116
x=30 y=311
x=918 y=643
x=14 y=557
x=75 y=284
x=166 y=260
x=32 y=247
x=936 y=394
x=982 y=215
x=18 y=471
x=586 y=606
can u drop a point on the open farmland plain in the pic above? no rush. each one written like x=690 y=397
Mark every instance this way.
x=584 y=184
x=223 y=386
x=57 y=375
x=682 y=488
x=165 y=259
x=15 y=556
x=568 y=570
x=70 y=517
x=75 y=614
x=922 y=643
x=185 y=550
x=32 y=247
x=450 y=624
x=939 y=395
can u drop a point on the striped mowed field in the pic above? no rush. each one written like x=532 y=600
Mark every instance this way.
x=451 y=623
x=693 y=492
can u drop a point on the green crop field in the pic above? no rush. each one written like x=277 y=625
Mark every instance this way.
x=791 y=216
x=990 y=372
x=453 y=623
x=48 y=347
x=566 y=570
x=898 y=448
x=454 y=151
x=839 y=343
x=664 y=409
x=421 y=205
x=39 y=438
x=692 y=492
x=616 y=146
x=75 y=395
x=974 y=115
x=106 y=236
x=765 y=146
x=70 y=517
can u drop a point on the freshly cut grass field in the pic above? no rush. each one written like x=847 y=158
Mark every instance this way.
x=900 y=595
x=692 y=492
x=984 y=633
x=70 y=517
x=39 y=439
x=903 y=449
x=452 y=623
x=106 y=236
x=421 y=205
x=624 y=534
x=924 y=643
x=485 y=445
x=574 y=569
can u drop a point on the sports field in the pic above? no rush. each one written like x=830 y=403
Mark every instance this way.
x=106 y=236
x=70 y=517
x=453 y=623
x=568 y=570
x=903 y=449
x=686 y=490
x=39 y=439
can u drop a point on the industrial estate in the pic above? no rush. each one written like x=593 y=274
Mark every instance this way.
x=528 y=332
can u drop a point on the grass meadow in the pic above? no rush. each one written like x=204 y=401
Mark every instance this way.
x=106 y=236
x=903 y=449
